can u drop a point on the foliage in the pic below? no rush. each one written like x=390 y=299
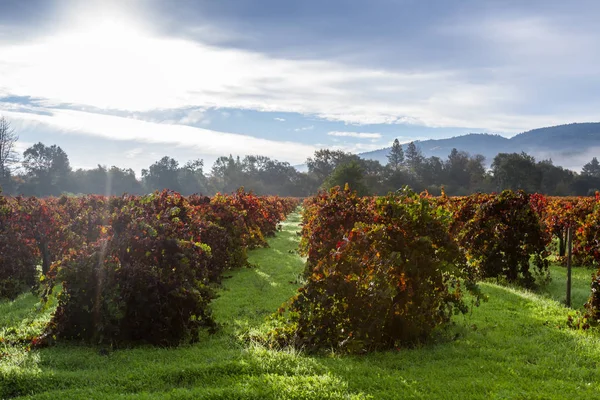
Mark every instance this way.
x=350 y=174
x=48 y=169
x=326 y=219
x=588 y=251
x=396 y=155
x=559 y=214
x=17 y=253
x=516 y=345
x=592 y=168
x=324 y=162
x=500 y=234
x=389 y=282
x=144 y=280
x=132 y=269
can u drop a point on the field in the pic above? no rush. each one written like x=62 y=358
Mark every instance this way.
x=516 y=345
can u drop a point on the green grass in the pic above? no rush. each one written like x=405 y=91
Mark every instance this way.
x=515 y=346
x=580 y=286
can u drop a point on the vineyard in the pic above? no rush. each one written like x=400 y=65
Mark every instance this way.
x=130 y=269
x=359 y=297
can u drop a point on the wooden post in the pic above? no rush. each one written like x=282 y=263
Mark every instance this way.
x=569 y=255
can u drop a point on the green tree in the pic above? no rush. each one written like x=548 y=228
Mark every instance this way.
x=109 y=182
x=592 y=168
x=457 y=174
x=414 y=157
x=555 y=181
x=192 y=179
x=123 y=180
x=322 y=164
x=350 y=174
x=516 y=171
x=396 y=156
x=48 y=170
x=432 y=174
x=163 y=174
x=227 y=174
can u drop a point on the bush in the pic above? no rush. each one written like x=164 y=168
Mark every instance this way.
x=140 y=269
x=145 y=280
x=327 y=217
x=500 y=234
x=588 y=238
x=386 y=284
x=18 y=256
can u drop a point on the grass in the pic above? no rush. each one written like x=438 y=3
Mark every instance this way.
x=580 y=286
x=515 y=346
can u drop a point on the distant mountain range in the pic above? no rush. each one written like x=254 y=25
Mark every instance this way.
x=570 y=146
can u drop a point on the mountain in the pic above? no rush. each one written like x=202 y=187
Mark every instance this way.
x=570 y=146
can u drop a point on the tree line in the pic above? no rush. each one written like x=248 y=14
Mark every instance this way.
x=45 y=171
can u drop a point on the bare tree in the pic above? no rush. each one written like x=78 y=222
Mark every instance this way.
x=8 y=155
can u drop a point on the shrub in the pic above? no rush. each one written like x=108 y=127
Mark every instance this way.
x=18 y=257
x=145 y=280
x=327 y=217
x=140 y=269
x=386 y=284
x=500 y=234
x=588 y=237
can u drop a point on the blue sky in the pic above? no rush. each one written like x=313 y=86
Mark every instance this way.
x=126 y=82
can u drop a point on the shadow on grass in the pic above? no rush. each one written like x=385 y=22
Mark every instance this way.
x=514 y=346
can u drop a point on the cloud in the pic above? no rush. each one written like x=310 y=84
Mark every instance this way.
x=501 y=73
x=133 y=153
x=305 y=128
x=195 y=117
x=207 y=142
x=279 y=119
x=359 y=135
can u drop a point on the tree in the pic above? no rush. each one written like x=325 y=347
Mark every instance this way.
x=396 y=156
x=432 y=174
x=325 y=161
x=48 y=170
x=227 y=174
x=192 y=178
x=374 y=176
x=123 y=181
x=8 y=155
x=163 y=174
x=592 y=168
x=350 y=174
x=477 y=172
x=457 y=174
x=555 y=181
x=516 y=171
x=414 y=157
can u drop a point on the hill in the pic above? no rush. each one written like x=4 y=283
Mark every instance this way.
x=570 y=145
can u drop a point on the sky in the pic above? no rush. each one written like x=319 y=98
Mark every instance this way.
x=127 y=82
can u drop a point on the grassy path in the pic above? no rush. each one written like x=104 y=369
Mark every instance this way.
x=252 y=294
x=515 y=346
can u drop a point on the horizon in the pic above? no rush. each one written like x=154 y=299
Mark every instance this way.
x=126 y=83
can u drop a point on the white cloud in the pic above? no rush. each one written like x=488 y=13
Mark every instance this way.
x=305 y=128
x=194 y=117
x=112 y=62
x=133 y=153
x=208 y=142
x=356 y=148
x=279 y=119
x=359 y=135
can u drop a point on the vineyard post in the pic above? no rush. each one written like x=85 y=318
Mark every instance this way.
x=569 y=255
